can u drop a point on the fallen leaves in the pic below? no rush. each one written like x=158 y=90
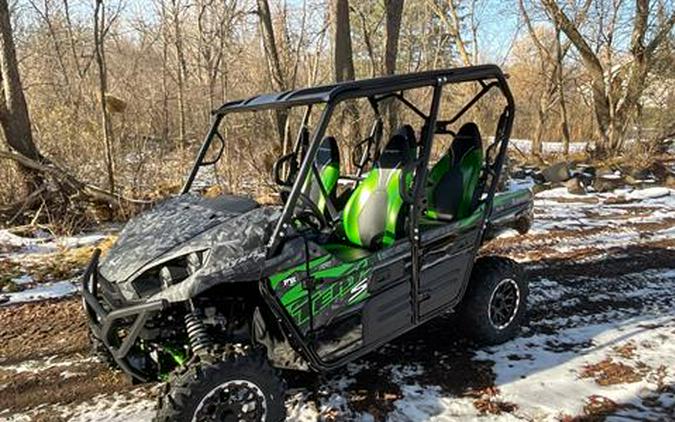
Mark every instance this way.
x=599 y=407
x=609 y=372
x=626 y=351
x=489 y=403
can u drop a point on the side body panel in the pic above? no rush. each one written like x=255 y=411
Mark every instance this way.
x=446 y=262
x=345 y=302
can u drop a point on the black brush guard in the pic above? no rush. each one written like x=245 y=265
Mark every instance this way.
x=104 y=324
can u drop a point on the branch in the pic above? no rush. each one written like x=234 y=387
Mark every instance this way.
x=459 y=40
x=15 y=208
x=572 y=32
x=91 y=192
x=640 y=27
x=661 y=35
x=543 y=51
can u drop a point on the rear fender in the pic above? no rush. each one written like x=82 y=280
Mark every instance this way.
x=511 y=210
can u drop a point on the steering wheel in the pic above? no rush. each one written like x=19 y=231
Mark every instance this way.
x=309 y=212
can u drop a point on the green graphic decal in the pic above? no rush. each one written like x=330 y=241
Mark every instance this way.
x=276 y=278
x=340 y=286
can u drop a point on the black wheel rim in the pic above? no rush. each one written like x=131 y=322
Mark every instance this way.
x=504 y=303
x=232 y=401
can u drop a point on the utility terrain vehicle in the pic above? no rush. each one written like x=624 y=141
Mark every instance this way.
x=220 y=295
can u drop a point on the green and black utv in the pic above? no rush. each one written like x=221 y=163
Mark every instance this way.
x=219 y=296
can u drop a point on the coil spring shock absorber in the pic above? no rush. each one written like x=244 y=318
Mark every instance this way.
x=197 y=335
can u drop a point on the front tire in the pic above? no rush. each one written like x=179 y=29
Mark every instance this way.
x=224 y=388
x=493 y=307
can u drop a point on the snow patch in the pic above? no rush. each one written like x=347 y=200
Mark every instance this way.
x=50 y=290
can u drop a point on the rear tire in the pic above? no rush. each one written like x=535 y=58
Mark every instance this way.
x=223 y=387
x=494 y=305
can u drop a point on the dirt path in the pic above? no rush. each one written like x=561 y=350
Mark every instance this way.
x=601 y=324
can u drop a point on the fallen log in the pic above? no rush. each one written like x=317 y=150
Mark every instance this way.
x=58 y=183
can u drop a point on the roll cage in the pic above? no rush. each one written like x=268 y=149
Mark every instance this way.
x=375 y=90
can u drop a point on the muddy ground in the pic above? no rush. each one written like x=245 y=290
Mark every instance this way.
x=593 y=265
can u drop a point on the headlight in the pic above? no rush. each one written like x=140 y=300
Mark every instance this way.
x=194 y=262
x=169 y=273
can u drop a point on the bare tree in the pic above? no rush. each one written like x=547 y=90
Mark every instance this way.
x=274 y=68
x=165 y=70
x=108 y=135
x=44 y=13
x=551 y=72
x=342 y=42
x=181 y=68
x=368 y=30
x=560 y=79
x=14 y=117
x=616 y=93
x=451 y=19
x=394 y=11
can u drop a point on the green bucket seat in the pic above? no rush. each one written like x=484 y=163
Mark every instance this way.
x=452 y=181
x=372 y=216
x=328 y=163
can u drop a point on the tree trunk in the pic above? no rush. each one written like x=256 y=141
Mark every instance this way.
x=392 y=30
x=181 y=71
x=537 y=146
x=343 y=66
x=99 y=23
x=615 y=101
x=564 y=124
x=460 y=42
x=165 y=73
x=342 y=46
x=14 y=117
x=274 y=69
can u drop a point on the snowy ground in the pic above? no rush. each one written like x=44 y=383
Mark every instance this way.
x=599 y=341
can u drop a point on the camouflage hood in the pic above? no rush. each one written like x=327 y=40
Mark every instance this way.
x=177 y=226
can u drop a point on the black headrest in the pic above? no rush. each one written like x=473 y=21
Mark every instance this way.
x=467 y=139
x=398 y=151
x=408 y=132
x=328 y=151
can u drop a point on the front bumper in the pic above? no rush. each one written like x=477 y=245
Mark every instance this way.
x=107 y=314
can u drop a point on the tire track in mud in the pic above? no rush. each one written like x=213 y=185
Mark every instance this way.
x=44 y=359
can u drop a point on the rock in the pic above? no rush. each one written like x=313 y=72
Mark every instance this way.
x=558 y=172
x=590 y=171
x=585 y=173
x=575 y=187
x=669 y=182
x=639 y=174
x=619 y=200
x=660 y=171
x=608 y=182
x=4 y=299
x=538 y=178
x=631 y=180
x=540 y=188
x=518 y=174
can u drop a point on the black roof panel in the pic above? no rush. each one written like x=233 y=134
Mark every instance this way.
x=360 y=88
